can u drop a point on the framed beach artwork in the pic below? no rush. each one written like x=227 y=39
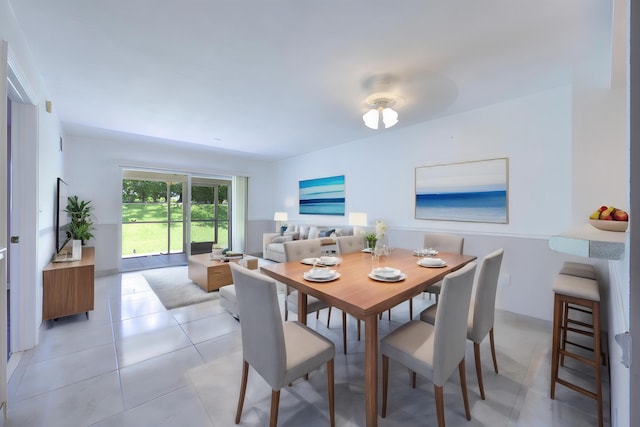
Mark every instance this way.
x=470 y=191
x=322 y=196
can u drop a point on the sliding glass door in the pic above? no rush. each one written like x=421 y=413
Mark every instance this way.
x=210 y=214
x=160 y=214
x=152 y=215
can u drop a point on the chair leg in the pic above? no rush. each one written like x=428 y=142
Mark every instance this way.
x=493 y=350
x=358 y=329
x=344 y=331
x=385 y=384
x=389 y=315
x=463 y=384
x=275 y=403
x=413 y=379
x=476 y=353
x=286 y=305
x=328 y=317
x=565 y=325
x=439 y=392
x=410 y=308
x=243 y=389
x=596 y=348
x=330 y=387
x=555 y=347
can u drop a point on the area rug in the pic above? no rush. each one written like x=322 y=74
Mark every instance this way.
x=174 y=288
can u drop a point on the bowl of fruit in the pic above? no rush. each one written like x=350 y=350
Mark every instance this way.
x=609 y=218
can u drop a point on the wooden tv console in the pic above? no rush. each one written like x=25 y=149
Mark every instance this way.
x=67 y=287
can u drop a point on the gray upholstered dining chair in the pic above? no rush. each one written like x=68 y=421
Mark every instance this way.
x=443 y=242
x=435 y=350
x=349 y=244
x=297 y=250
x=481 y=313
x=279 y=352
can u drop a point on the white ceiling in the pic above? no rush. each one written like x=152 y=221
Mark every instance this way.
x=283 y=77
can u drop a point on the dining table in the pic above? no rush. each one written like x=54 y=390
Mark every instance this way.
x=353 y=291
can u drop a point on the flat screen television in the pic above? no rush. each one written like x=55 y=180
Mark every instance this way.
x=62 y=217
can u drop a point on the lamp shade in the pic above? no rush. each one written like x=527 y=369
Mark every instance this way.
x=389 y=117
x=280 y=216
x=373 y=117
x=358 y=219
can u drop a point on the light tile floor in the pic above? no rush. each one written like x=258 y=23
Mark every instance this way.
x=133 y=363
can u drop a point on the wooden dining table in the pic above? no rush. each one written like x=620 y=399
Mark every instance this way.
x=364 y=298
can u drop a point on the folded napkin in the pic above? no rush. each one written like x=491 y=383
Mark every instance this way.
x=432 y=262
x=386 y=272
x=321 y=273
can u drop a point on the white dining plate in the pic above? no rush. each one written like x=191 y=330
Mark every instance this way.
x=399 y=278
x=431 y=264
x=386 y=272
x=425 y=252
x=330 y=260
x=324 y=260
x=308 y=277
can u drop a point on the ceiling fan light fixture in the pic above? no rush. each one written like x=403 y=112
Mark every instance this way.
x=381 y=111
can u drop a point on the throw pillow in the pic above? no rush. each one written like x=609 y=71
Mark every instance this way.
x=313 y=232
x=326 y=233
x=304 y=231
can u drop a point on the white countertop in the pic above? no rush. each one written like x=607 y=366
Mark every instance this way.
x=590 y=242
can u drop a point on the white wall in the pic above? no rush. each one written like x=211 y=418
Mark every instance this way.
x=94 y=173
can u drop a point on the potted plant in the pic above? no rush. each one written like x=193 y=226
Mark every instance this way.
x=371 y=239
x=81 y=225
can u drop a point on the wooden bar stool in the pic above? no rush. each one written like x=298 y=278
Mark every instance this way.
x=570 y=324
x=580 y=292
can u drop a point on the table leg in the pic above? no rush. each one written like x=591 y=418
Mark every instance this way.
x=371 y=370
x=302 y=308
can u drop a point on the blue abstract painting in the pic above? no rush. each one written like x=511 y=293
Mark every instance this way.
x=470 y=191
x=322 y=196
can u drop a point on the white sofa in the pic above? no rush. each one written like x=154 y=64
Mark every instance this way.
x=273 y=243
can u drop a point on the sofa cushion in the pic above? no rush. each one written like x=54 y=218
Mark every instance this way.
x=281 y=239
x=275 y=247
x=304 y=231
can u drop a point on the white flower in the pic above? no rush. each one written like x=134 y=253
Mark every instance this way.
x=381 y=228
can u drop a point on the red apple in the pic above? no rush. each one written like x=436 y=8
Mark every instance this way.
x=620 y=215
x=603 y=208
x=606 y=214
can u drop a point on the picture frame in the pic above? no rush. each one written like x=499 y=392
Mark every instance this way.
x=474 y=191
x=322 y=196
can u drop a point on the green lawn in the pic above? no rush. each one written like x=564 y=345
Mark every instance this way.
x=142 y=238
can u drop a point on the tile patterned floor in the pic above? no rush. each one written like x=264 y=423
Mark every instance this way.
x=134 y=363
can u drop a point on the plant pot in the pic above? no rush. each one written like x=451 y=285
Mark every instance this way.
x=76 y=250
